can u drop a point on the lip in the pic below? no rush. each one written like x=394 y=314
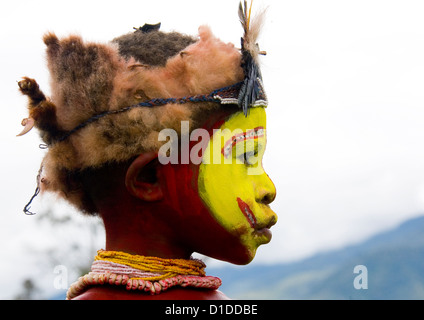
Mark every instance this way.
x=264 y=232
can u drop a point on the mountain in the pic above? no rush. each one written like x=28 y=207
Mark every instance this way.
x=394 y=262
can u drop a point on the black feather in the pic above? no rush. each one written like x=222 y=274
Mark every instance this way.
x=250 y=89
x=149 y=27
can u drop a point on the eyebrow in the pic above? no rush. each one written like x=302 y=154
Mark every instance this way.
x=250 y=134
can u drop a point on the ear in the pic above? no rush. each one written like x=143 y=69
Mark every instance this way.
x=141 y=178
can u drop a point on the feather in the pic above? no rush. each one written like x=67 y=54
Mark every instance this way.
x=251 y=86
x=148 y=28
x=243 y=17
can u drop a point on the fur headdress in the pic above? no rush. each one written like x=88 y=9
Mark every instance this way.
x=110 y=101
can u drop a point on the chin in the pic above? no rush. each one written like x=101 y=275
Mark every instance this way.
x=245 y=258
x=248 y=258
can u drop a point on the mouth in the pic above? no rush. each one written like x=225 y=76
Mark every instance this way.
x=261 y=230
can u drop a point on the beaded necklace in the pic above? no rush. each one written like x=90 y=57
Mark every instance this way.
x=149 y=274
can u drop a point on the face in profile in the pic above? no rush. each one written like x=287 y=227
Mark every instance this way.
x=220 y=206
x=232 y=182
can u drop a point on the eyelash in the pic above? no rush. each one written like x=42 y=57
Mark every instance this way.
x=244 y=158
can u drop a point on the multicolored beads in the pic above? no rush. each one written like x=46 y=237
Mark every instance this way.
x=105 y=272
x=156 y=287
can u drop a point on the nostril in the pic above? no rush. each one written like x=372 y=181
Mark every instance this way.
x=268 y=198
x=265 y=191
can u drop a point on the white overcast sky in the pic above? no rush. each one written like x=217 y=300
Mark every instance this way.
x=345 y=80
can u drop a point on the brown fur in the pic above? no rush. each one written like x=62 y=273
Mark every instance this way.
x=152 y=48
x=202 y=67
x=81 y=77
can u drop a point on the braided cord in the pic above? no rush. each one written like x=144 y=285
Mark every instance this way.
x=212 y=97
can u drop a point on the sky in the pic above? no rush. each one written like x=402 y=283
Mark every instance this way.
x=345 y=84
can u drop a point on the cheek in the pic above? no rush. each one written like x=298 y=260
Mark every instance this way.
x=180 y=184
x=219 y=187
x=196 y=226
x=185 y=189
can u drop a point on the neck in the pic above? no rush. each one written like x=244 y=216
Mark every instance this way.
x=142 y=231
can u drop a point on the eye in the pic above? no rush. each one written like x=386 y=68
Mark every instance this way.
x=249 y=158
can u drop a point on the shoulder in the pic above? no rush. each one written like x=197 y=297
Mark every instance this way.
x=117 y=293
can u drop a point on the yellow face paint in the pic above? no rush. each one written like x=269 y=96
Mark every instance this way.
x=232 y=182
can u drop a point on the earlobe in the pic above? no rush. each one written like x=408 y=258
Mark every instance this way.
x=141 y=178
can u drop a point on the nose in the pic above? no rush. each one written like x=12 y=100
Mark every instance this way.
x=265 y=191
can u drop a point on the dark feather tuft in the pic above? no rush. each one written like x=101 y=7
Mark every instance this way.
x=250 y=89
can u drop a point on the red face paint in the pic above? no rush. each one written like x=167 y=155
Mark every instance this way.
x=245 y=209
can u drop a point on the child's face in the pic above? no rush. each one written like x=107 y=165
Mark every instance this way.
x=232 y=182
x=220 y=206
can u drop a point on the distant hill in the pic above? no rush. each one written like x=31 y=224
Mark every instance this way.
x=394 y=261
